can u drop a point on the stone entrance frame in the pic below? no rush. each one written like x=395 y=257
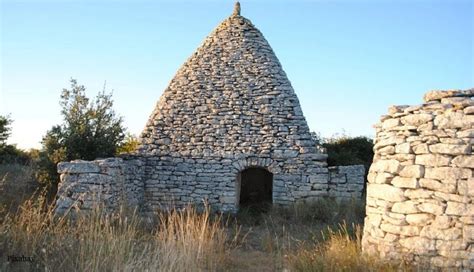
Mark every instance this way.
x=257 y=181
x=253 y=163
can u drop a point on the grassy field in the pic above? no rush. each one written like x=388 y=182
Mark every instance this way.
x=322 y=236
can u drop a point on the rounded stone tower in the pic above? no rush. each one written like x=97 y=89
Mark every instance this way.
x=229 y=127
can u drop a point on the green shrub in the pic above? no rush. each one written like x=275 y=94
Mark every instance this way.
x=5 y=129
x=90 y=130
x=346 y=150
x=9 y=154
x=129 y=144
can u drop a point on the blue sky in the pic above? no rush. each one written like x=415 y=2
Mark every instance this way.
x=348 y=61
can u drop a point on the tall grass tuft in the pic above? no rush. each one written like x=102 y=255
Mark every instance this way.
x=17 y=184
x=192 y=238
x=184 y=240
x=339 y=251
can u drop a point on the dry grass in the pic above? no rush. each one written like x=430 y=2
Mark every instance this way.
x=183 y=241
x=16 y=185
x=340 y=250
x=303 y=237
x=308 y=237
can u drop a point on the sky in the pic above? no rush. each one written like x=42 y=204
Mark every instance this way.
x=348 y=61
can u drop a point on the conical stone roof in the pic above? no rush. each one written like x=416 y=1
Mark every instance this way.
x=230 y=97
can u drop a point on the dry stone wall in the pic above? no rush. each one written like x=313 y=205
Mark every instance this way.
x=420 y=187
x=110 y=182
x=106 y=183
x=229 y=107
x=180 y=181
x=346 y=182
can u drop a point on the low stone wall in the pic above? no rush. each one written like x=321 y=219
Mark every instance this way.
x=178 y=181
x=106 y=182
x=420 y=187
x=346 y=182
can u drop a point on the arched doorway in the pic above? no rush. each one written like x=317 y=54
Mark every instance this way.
x=255 y=188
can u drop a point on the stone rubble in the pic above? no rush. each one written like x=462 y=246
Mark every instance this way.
x=420 y=187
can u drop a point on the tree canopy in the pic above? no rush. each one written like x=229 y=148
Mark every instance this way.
x=346 y=150
x=5 y=129
x=90 y=129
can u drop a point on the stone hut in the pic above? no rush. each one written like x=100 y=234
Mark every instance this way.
x=228 y=116
x=420 y=195
x=228 y=129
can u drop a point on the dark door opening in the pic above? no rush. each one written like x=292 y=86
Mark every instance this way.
x=255 y=188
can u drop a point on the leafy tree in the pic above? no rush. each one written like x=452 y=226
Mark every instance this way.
x=90 y=130
x=5 y=123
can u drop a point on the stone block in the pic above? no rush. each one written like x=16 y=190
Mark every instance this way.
x=389 y=166
x=468 y=133
x=417 y=119
x=433 y=208
x=418 y=245
x=436 y=185
x=458 y=102
x=400 y=230
x=469 y=110
x=468 y=233
x=418 y=193
x=454 y=120
x=434 y=160
x=78 y=167
x=403 y=148
x=466 y=187
x=451 y=245
x=421 y=149
x=438 y=95
x=449 y=197
x=412 y=171
x=449 y=234
x=419 y=219
x=400 y=182
x=382 y=178
x=390 y=123
x=405 y=207
x=450 y=149
x=463 y=161
x=447 y=173
x=456 y=208
x=394 y=220
x=385 y=192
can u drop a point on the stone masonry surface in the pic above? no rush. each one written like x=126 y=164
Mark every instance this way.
x=228 y=108
x=106 y=182
x=231 y=107
x=113 y=181
x=346 y=182
x=420 y=187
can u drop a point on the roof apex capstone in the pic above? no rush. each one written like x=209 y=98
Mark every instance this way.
x=236 y=9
